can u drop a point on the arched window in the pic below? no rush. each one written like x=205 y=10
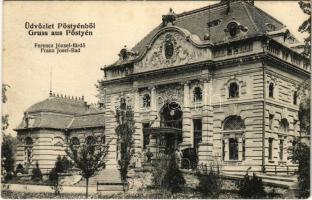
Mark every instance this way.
x=271 y=90
x=295 y=96
x=198 y=94
x=283 y=126
x=75 y=141
x=146 y=101
x=233 y=90
x=28 y=149
x=233 y=123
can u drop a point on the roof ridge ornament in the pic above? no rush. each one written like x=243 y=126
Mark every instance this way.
x=169 y=18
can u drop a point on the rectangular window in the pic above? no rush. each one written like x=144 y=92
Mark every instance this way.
x=223 y=150
x=145 y=135
x=270 y=148
x=281 y=148
x=271 y=116
x=243 y=149
x=233 y=149
x=197 y=128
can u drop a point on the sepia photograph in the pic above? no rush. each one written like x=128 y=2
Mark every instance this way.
x=156 y=99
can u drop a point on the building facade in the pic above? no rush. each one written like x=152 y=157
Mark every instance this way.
x=222 y=82
x=223 y=79
x=50 y=125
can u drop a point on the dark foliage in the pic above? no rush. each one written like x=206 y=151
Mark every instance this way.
x=20 y=169
x=174 y=180
x=306 y=25
x=167 y=175
x=304 y=115
x=302 y=157
x=63 y=164
x=209 y=184
x=7 y=155
x=251 y=187
x=125 y=131
x=36 y=173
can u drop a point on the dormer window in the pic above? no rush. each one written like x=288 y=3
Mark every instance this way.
x=233 y=90
x=233 y=29
x=271 y=90
x=198 y=94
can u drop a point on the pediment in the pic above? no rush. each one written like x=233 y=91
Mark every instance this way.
x=169 y=49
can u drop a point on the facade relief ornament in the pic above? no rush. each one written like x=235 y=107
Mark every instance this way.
x=169 y=93
x=170 y=49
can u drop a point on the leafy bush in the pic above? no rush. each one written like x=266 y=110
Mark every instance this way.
x=36 y=173
x=251 y=187
x=209 y=184
x=167 y=175
x=7 y=155
x=20 y=169
x=54 y=181
x=302 y=156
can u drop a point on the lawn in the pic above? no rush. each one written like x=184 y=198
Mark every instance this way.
x=151 y=194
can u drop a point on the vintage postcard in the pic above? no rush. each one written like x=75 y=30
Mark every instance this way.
x=156 y=99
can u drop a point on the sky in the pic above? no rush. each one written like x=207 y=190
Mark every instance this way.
x=28 y=71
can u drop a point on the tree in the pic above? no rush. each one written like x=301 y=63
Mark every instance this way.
x=36 y=173
x=89 y=157
x=305 y=27
x=166 y=173
x=54 y=175
x=5 y=118
x=8 y=154
x=125 y=131
x=209 y=184
x=252 y=188
x=301 y=156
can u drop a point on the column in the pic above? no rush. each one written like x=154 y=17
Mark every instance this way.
x=206 y=147
x=154 y=111
x=138 y=134
x=187 y=121
x=155 y=122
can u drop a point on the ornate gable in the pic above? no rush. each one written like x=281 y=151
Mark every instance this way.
x=170 y=49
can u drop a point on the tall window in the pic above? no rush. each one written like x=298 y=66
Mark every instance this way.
x=271 y=117
x=198 y=94
x=103 y=139
x=283 y=126
x=223 y=149
x=295 y=96
x=233 y=90
x=146 y=139
x=197 y=128
x=233 y=149
x=28 y=149
x=271 y=90
x=281 y=149
x=90 y=141
x=146 y=101
x=243 y=149
x=270 y=148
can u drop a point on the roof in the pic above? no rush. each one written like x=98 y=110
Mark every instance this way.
x=59 y=105
x=196 y=22
x=89 y=120
x=62 y=113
